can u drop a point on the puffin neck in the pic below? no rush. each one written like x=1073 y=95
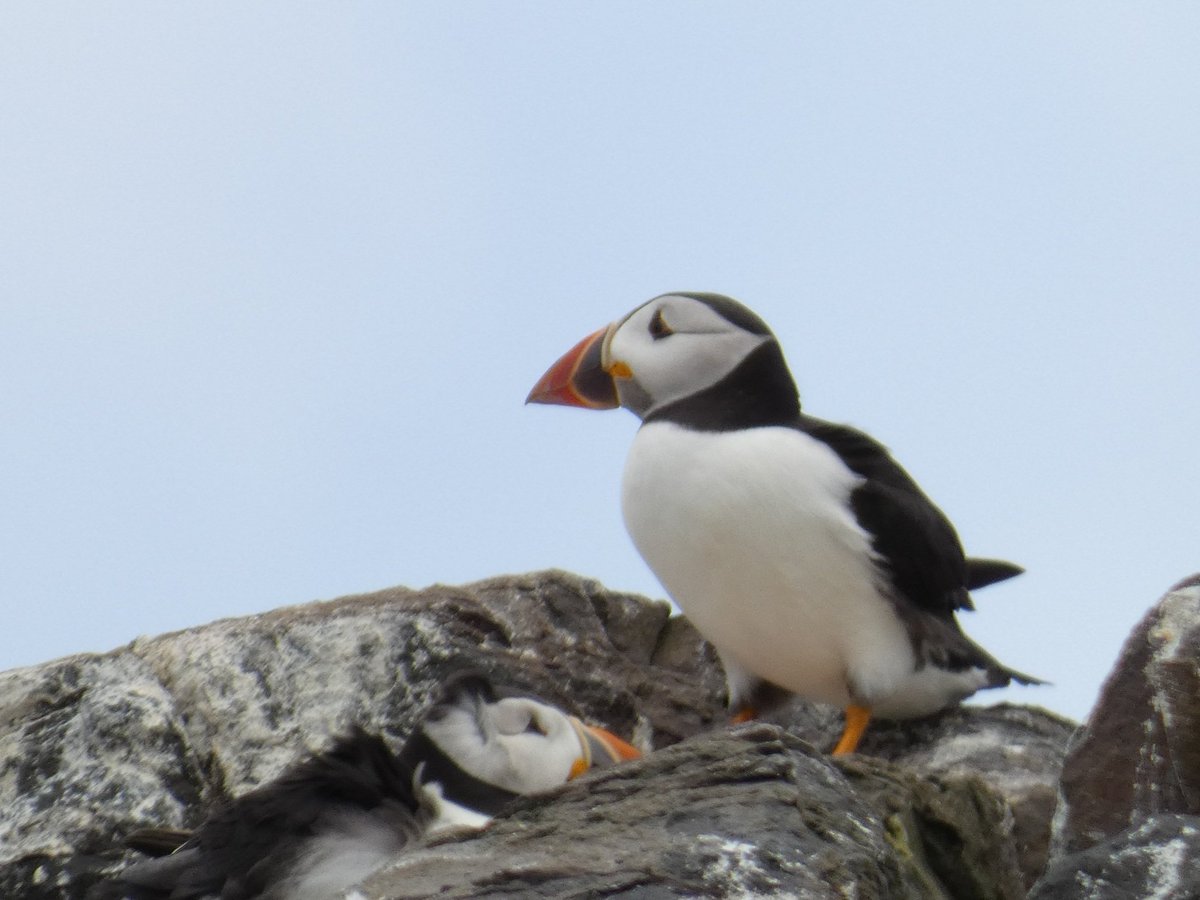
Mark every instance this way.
x=458 y=785
x=758 y=393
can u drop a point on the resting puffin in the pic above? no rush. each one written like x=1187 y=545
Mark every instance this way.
x=799 y=548
x=332 y=819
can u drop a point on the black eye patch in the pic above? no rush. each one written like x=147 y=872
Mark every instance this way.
x=659 y=328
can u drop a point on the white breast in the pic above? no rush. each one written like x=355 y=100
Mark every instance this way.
x=340 y=857
x=750 y=533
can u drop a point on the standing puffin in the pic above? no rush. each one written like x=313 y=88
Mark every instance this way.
x=332 y=819
x=799 y=548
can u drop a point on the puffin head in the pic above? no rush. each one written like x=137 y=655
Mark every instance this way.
x=667 y=349
x=514 y=744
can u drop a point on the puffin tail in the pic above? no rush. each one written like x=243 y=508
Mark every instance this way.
x=1021 y=677
x=982 y=571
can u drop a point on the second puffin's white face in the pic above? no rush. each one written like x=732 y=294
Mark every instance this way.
x=673 y=347
x=515 y=743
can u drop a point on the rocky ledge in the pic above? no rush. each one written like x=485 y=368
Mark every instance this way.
x=958 y=806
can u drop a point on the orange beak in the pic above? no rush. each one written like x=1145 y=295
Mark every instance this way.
x=600 y=748
x=578 y=378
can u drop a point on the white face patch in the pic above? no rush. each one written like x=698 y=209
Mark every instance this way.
x=674 y=347
x=516 y=743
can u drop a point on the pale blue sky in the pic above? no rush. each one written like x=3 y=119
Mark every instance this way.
x=276 y=279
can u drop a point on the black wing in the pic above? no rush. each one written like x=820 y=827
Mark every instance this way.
x=917 y=544
x=249 y=844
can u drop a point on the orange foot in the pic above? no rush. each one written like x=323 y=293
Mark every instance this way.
x=744 y=715
x=857 y=718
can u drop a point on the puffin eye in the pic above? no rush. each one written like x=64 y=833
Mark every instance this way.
x=659 y=328
x=535 y=727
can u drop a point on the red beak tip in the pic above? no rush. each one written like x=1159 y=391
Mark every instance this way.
x=577 y=379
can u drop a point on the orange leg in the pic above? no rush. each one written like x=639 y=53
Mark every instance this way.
x=743 y=715
x=857 y=718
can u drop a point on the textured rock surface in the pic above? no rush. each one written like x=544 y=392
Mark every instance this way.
x=1139 y=752
x=87 y=745
x=92 y=747
x=1157 y=860
x=749 y=813
x=1017 y=750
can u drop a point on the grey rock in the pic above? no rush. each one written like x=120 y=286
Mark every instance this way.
x=1017 y=750
x=1139 y=752
x=95 y=746
x=753 y=812
x=1159 y=859
x=87 y=744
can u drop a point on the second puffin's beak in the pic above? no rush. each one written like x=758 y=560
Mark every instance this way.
x=600 y=748
x=578 y=378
